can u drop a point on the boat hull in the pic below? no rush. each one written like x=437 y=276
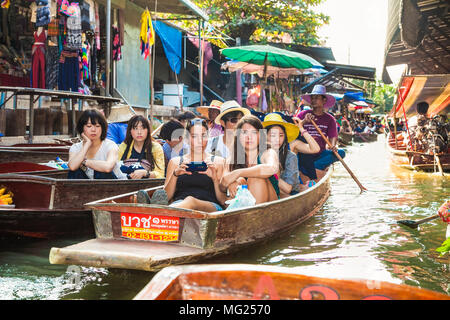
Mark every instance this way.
x=37 y=153
x=51 y=208
x=416 y=161
x=244 y=282
x=201 y=235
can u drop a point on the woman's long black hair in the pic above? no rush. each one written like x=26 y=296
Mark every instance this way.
x=132 y=124
x=282 y=152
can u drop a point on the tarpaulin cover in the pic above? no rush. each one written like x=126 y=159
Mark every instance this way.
x=433 y=89
x=171 y=40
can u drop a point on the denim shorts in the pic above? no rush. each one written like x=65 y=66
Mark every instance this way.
x=218 y=207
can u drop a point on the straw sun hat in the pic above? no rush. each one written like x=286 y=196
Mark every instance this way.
x=292 y=131
x=230 y=106
x=120 y=113
x=215 y=105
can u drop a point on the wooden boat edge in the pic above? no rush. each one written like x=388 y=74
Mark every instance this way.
x=168 y=276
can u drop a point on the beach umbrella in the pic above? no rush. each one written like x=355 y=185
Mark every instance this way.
x=271 y=56
x=266 y=56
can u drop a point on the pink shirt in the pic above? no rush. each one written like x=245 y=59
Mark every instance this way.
x=325 y=122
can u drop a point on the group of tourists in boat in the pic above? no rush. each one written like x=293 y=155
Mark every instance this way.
x=204 y=159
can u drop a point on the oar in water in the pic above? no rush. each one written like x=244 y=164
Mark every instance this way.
x=414 y=224
x=339 y=157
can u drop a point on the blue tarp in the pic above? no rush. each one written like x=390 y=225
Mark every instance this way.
x=171 y=40
x=353 y=96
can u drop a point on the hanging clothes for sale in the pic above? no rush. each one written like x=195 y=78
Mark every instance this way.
x=73 y=38
x=69 y=71
x=51 y=67
x=85 y=50
x=42 y=15
x=116 y=45
x=38 y=58
x=147 y=34
x=85 y=18
x=97 y=27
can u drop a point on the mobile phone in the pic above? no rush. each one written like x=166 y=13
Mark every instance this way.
x=196 y=166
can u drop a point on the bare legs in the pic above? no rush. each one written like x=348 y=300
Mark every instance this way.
x=261 y=189
x=195 y=204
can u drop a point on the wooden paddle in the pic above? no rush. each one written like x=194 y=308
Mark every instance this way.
x=338 y=156
x=414 y=224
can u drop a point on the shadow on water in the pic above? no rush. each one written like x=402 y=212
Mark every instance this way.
x=354 y=235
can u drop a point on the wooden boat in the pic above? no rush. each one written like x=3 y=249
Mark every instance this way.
x=417 y=161
x=21 y=167
x=365 y=137
x=46 y=207
x=261 y=282
x=345 y=138
x=36 y=152
x=130 y=235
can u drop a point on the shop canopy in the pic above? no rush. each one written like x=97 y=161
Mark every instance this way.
x=433 y=89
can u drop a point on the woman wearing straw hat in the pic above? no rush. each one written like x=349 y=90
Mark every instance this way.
x=211 y=112
x=279 y=135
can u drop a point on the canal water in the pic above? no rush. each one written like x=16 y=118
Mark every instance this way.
x=353 y=236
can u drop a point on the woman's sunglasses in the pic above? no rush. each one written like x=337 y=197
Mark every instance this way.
x=232 y=120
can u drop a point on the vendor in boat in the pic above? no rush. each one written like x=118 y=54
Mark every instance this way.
x=250 y=164
x=279 y=135
x=230 y=113
x=140 y=156
x=211 y=112
x=314 y=165
x=95 y=157
x=196 y=190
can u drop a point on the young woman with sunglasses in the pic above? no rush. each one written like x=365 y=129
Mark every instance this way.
x=230 y=113
x=250 y=164
x=197 y=190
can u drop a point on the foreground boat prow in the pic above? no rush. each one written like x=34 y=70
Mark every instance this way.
x=262 y=282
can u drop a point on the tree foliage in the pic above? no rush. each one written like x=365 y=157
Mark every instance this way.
x=266 y=20
x=382 y=94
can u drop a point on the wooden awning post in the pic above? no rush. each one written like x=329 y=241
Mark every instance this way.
x=31 y=119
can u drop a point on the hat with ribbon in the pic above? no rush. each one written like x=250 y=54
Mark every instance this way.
x=230 y=106
x=320 y=90
x=215 y=105
x=292 y=131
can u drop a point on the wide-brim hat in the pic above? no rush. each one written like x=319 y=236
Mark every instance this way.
x=120 y=113
x=215 y=105
x=292 y=131
x=230 y=106
x=321 y=91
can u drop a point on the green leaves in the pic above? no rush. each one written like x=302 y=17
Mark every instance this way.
x=255 y=20
x=444 y=248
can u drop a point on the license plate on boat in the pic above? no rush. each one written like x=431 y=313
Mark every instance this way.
x=149 y=227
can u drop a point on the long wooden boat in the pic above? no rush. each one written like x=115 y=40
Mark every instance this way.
x=416 y=161
x=365 y=137
x=261 y=282
x=46 y=207
x=36 y=152
x=31 y=168
x=345 y=139
x=137 y=236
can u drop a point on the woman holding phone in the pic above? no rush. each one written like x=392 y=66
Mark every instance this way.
x=187 y=185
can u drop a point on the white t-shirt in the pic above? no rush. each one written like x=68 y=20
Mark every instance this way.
x=221 y=150
x=102 y=154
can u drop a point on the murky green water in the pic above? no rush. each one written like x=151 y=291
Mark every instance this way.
x=353 y=236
